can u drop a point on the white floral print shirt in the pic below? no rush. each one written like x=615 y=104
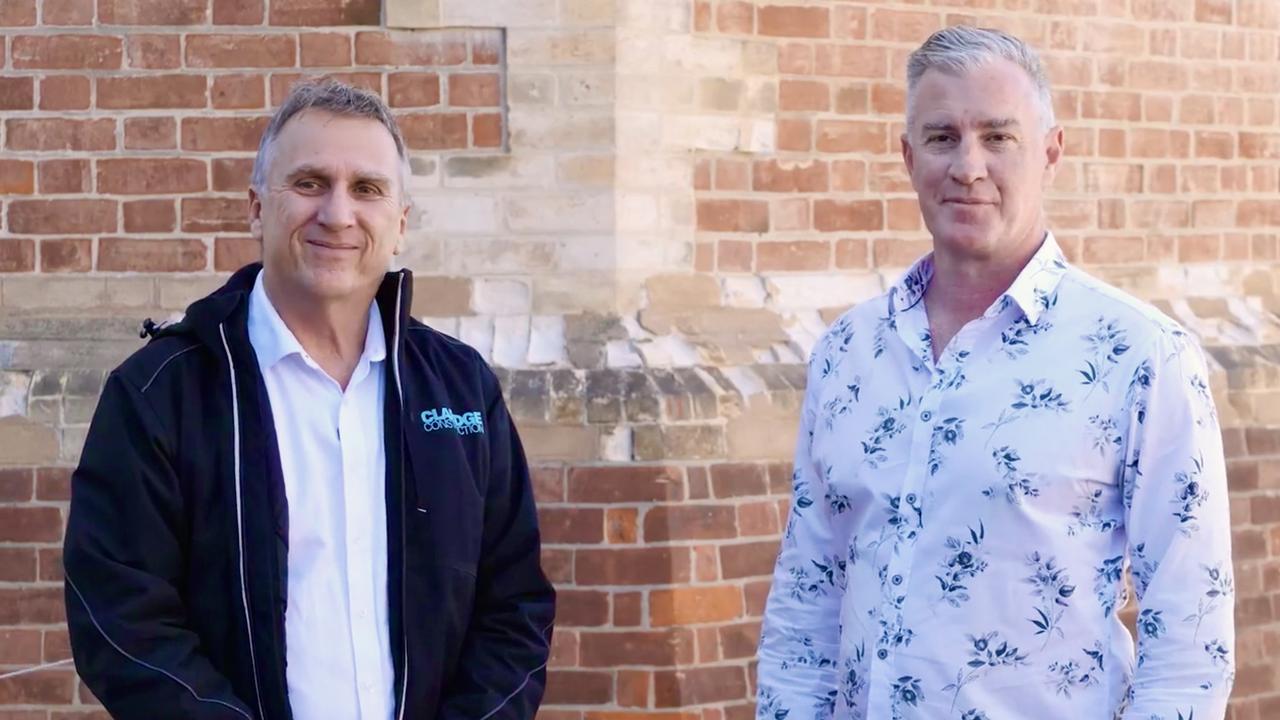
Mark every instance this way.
x=960 y=531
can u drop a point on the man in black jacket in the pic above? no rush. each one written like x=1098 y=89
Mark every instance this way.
x=299 y=502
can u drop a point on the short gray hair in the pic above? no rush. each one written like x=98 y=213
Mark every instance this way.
x=334 y=97
x=962 y=48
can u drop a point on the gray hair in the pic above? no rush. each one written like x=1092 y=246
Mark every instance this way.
x=334 y=97
x=962 y=48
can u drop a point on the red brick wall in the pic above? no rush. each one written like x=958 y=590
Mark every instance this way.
x=129 y=127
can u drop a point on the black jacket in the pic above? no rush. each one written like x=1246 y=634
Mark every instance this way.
x=176 y=546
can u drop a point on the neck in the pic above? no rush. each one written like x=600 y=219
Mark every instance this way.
x=331 y=331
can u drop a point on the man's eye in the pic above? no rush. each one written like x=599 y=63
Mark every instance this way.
x=307 y=185
x=368 y=190
x=1000 y=137
x=935 y=139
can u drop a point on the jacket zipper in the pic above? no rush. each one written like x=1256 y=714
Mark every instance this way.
x=244 y=592
x=404 y=563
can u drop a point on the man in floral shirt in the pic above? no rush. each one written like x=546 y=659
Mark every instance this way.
x=985 y=448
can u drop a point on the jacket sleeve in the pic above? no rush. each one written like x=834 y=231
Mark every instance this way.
x=799 y=644
x=502 y=668
x=1179 y=534
x=123 y=557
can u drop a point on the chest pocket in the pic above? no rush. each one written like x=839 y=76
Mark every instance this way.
x=446 y=518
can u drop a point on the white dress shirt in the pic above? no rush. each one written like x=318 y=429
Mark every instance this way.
x=960 y=530
x=337 y=637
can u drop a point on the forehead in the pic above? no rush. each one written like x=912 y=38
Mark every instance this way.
x=338 y=143
x=994 y=89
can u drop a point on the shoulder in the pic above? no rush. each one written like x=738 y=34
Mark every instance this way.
x=149 y=367
x=447 y=356
x=1090 y=298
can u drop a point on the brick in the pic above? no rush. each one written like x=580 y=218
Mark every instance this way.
x=239 y=51
x=153 y=52
x=834 y=215
x=735 y=256
x=31 y=524
x=733 y=215
x=413 y=89
x=1213 y=11
x=852 y=253
x=62 y=217
x=50 y=562
x=313 y=13
x=17 y=93
x=625 y=484
x=692 y=605
x=633 y=688
x=860 y=60
x=795 y=59
x=159 y=255
x=408 y=49
x=325 y=49
x=232 y=174
x=904 y=26
x=238 y=12
x=51 y=134
x=474 y=90
x=18 y=13
x=20 y=646
x=66 y=12
x=238 y=92
x=698 y=685
x=731 y=175
x=795 y=134
x=578 y=687
x=801 y=95
x=561 y=525
x=209 y=134
x=622 y=526
x=17 y=255
x=663 y=648
x=487 y=130
x=1111 y=105
x=1199 y=248
x=793 y=21
x=64 y=176
x=793 y=255
x=1260 y=146
x=627 y=609
x=17 y=177
x=627 y=566
x=690 y=522
x=1107 y=250
x=209 y=214
x=150 y=133
x=233 y=253
x=581 y=608
x=66 y=255
x=852 y=99
x=152 y=91
x=144 y=216
x=852 y=136
x=44 y=687
x=748 y=559
x=66 y=52
x=735 y=17
x=732 y=480
x=64 y=92
x=434 y=131
x=153 y=12
x=151 y=176
x=16 y=483
x=779 y=176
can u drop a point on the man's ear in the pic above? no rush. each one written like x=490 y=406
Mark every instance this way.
x=907 y=156
x=255 y=215
x=404 y=227
x=1053 y=148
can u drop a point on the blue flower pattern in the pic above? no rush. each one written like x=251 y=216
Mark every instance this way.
x=944 y=511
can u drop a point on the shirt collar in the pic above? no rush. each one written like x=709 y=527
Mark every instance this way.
x=273 y=341
x=1032 y=291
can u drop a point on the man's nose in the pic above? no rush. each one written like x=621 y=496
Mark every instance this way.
x=337 y=211
x=968 y=165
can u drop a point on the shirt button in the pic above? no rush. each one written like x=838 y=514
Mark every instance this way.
x=882 y=653
x=926 y=416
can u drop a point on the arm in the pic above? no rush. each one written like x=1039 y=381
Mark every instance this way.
x=123 y=560
x=502 y=668
x=800 y=639
x=1179 y=534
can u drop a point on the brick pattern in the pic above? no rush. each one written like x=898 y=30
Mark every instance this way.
x=1170 y=111
x=129 y=126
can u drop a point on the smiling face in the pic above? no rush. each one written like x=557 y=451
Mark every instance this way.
x=980 y=160
x=330 y=215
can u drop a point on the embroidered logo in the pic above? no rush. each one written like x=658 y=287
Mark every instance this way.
x=445 y=419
